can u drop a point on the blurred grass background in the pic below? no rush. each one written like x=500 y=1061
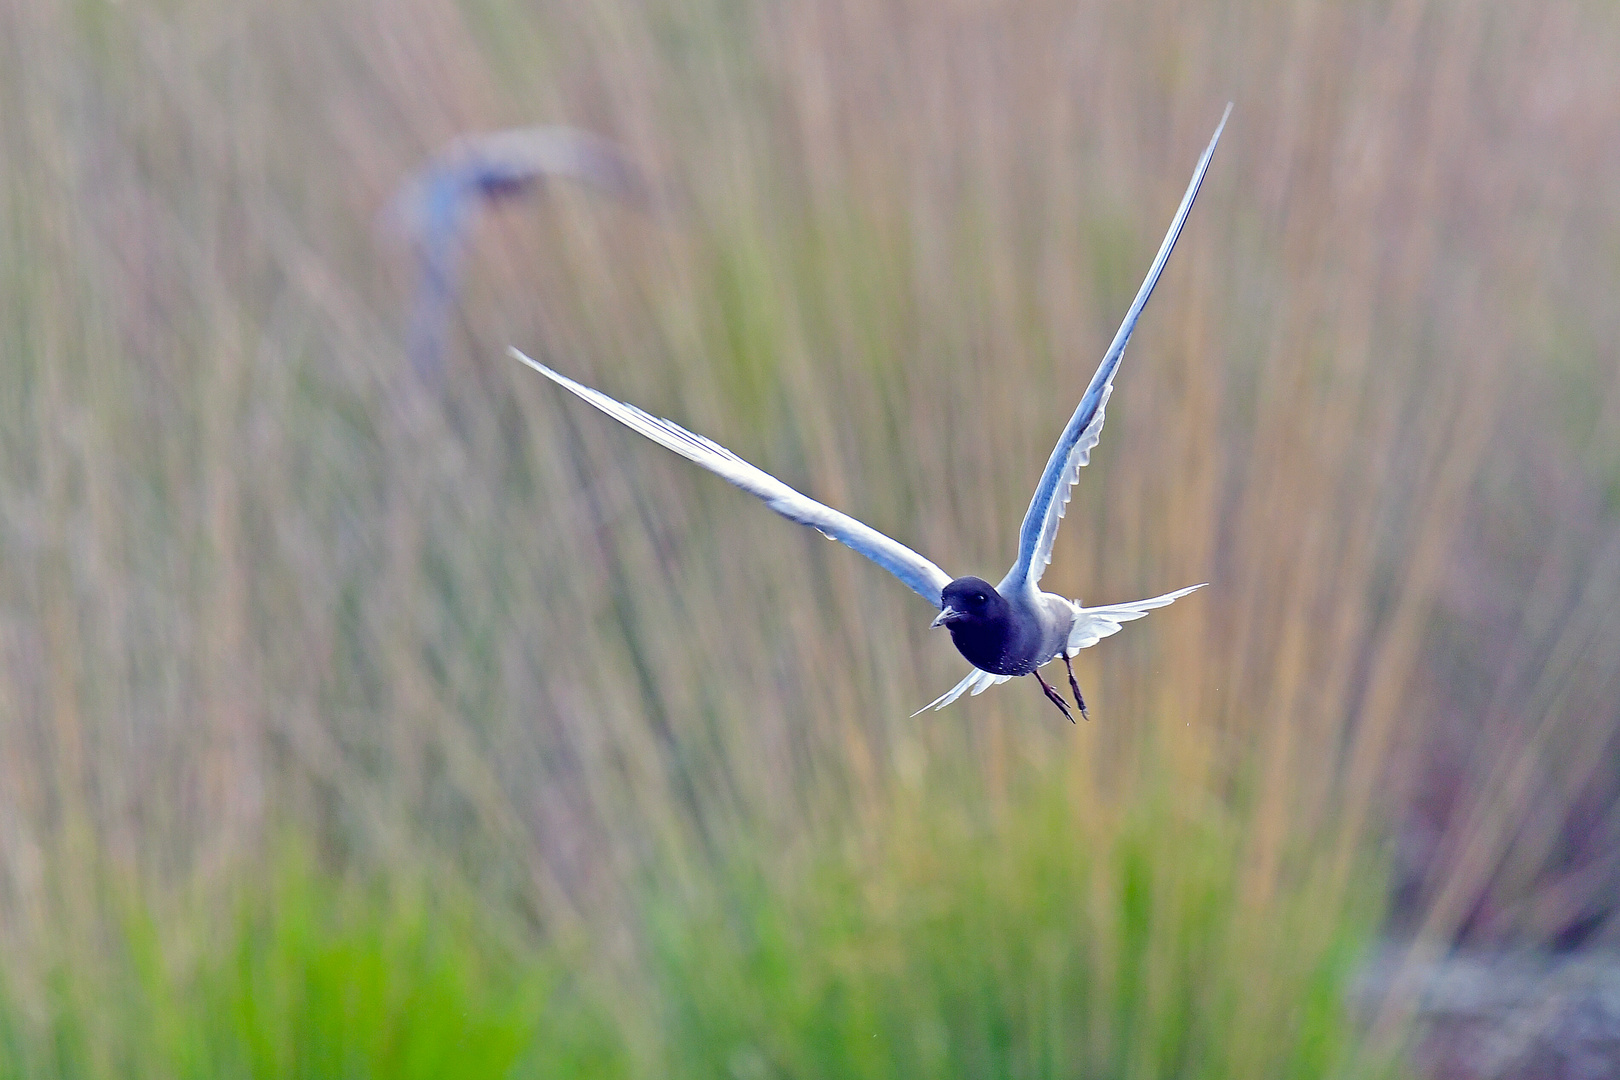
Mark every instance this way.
x=353 y=727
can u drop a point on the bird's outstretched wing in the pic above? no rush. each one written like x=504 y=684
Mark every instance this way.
x=1073 y=450
x=1091 y=625
x=922 y=576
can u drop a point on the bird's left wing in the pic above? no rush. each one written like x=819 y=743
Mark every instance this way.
x=922 y=576
x=1073 y=451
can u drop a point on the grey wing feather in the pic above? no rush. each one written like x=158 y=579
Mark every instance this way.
x=1073 y=450
x=922 y=576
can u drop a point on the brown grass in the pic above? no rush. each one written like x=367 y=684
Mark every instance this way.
x=253 y=575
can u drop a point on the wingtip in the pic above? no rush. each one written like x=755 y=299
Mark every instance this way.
x=524 y=358
x=1220 y=127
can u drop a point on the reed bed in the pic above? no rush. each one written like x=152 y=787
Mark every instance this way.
x=351 y=722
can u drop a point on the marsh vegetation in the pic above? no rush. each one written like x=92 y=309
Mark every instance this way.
x=355 y=727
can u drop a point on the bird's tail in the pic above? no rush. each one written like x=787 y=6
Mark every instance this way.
x=977 y=680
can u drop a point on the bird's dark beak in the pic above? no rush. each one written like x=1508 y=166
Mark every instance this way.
x=946 y=614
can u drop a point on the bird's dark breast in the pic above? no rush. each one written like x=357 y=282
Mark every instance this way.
x=985 y=644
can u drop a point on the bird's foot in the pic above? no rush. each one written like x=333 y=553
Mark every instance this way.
x=1054 y=697
x=1075 y=686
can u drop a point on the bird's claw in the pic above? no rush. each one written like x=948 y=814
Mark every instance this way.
x=1074 y=685
x=1054 y=697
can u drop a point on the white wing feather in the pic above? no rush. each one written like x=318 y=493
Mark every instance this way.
x=922 y=576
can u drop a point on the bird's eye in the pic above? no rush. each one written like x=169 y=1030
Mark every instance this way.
x=979 y=598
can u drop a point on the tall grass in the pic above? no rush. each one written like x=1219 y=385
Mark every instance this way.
x=306 y=973
x=255 y=579
x=1068 y=938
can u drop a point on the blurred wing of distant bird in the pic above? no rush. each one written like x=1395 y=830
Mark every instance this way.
x=920 y=575
x=1091 y=625
x=489 y=165
x=1073 y=451
x=434 y=205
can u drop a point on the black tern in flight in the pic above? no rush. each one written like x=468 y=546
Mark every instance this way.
x=1003 y=630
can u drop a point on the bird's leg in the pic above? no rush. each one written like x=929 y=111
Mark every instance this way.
x=1075 y=686
x=1054 y=697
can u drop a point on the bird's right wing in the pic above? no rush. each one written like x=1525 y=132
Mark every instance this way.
x=922 y=576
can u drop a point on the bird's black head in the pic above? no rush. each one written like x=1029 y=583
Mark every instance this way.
x=979 y=621
x=969 y=600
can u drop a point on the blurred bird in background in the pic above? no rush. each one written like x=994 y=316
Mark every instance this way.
x=434 y=207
